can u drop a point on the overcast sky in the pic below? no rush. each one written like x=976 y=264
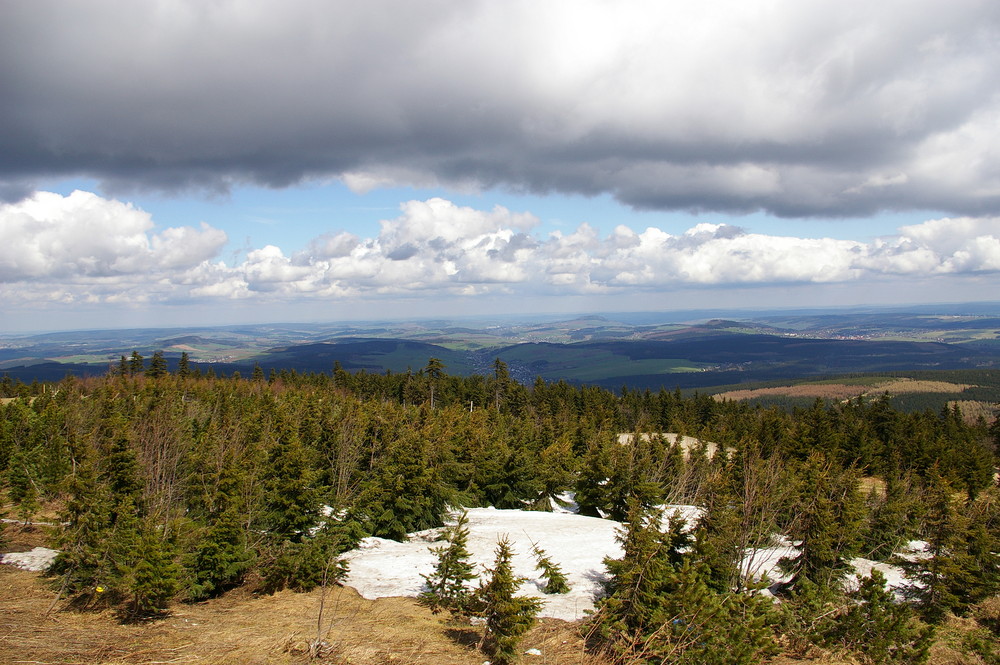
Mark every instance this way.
x=221 y=161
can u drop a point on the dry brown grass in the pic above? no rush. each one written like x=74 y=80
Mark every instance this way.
x=245 y=629
x=973 y=411
x=832 y=391
x=913 y=386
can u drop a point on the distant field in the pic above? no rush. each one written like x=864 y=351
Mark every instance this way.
x=842 y=390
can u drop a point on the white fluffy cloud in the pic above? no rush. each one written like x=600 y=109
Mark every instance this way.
x=83 y=248
x=85 y=236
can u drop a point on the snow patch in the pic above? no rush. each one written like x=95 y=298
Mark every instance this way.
x=37 y=560
x=577 y=544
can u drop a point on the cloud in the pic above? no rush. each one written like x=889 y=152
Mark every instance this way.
x=83 y=248
x=790 y=106
x=84 y=237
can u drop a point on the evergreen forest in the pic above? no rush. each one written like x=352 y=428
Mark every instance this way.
x=175 y=485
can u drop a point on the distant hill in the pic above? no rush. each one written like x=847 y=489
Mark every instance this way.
x=647 y=350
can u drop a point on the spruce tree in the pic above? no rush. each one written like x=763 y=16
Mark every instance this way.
x=555 y=579
x=313 y=561
x=152 y=577
x=890 y=522
x=183 y=365
x=962 y=566
x=829 y=523
x=136 y=364
x=21 y=486
x=220 y=559
x=447 y=586
x=157 y=366
x=405 y=493
x=877 y=628
x=83 y=560
x=659 y=608
x=507 y=617
x=591 y=491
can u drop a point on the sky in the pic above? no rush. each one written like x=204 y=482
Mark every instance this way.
x=182 y=162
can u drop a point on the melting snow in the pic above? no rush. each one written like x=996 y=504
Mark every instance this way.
x=578 y=544
x=38 y=559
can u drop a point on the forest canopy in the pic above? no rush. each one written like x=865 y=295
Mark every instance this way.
x=178 y=486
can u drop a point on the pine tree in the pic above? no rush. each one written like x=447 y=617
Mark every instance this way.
x=877 y=628
x=220 y=559
x=183 y=365
x=152 y=577
x=659 y=608
x=136 y=364
x=829 y=521
x=447 y=587
x=507 y=617
x=157 y=366
x=555 y=579
x=21 y=485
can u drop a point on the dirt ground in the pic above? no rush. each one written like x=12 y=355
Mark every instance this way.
x=247 y=629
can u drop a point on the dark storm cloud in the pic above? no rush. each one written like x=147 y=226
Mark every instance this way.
x=795 y=107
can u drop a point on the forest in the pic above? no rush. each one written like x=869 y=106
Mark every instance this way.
x=175 y=485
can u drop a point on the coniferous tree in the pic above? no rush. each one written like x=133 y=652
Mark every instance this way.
x=877 y=628
x=890 y=520
x=150 y=577
x=157 y=366
x=591 y=485
x=306 y=564
x=405 y=493
x=136 y=364
x=292 y=495
x=257 y=375
x=184 y=366
x=962 y=566
x=84 y=541
x=555 y=474
x=828 y=523
x=507 y=617
x=659 y=608
x=447 y=587
x=22 y=488
x=220 y=559
x=121 y=469
x=555 y=579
